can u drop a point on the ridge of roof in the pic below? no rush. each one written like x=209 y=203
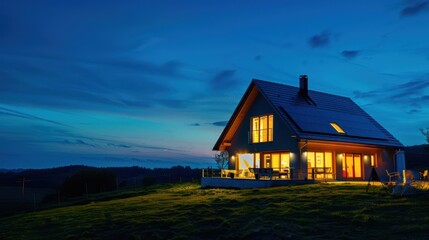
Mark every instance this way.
x=309 y=90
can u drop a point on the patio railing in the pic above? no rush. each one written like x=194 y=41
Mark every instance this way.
x=269 y=173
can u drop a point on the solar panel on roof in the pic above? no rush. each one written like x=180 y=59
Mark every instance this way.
x=315 y=123
x=312 y=119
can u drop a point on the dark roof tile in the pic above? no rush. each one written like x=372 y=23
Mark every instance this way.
x=311 y=118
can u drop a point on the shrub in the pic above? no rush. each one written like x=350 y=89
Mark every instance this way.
x=89 y=181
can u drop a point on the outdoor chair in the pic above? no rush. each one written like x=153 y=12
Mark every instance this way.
x=424 y=175
x=393 y=175
x=251 y=172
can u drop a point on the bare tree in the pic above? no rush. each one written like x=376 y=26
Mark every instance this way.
x=425 y=133
x=221 y=159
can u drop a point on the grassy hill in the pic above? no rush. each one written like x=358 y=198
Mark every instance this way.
x=43 y=186
x=184 y=211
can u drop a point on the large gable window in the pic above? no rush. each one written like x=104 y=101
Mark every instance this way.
x=262 y=129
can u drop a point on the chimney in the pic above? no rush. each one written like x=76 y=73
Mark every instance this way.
x=303 y=85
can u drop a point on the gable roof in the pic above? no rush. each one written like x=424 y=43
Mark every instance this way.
x=310 y=117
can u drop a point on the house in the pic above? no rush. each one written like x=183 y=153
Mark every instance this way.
x=305 y=134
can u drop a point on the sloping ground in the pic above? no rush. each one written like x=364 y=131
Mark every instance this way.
x=12 y=200
x=184 y=211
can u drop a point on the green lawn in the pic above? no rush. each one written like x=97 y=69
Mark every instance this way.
x=184 y=211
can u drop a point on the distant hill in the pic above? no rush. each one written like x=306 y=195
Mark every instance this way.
x=44 y=186
x=424 y=148
x=46 y=178
x=417 y=157
x=54 y=177
x=4 y=170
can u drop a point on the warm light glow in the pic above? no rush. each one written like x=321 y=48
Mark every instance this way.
x=232 y=158
x=337 y=128
x=285 y=160
x=352 y=166
x=320 y=163
x=357 y=165
x=262 y=129
x=245 y=162
x=373 y=161
x=275 y=161
x=255 y=130
x=257 y=160
x=279 y=161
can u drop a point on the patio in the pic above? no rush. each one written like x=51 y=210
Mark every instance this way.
x=219 y=182
x=254 y=178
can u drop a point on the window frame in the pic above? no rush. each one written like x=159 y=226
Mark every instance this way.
x=337 y=128
x=269 y=130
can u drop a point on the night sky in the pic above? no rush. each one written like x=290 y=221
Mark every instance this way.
x=152 y=83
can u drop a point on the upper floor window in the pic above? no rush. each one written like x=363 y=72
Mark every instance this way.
x=262 y=129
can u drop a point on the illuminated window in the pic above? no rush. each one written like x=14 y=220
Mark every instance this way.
x=320 y=165
x=338 y=128
x=262 y=129
x=279 y=161
x=257 y=160
x=352 y=166
x=373 y=162
x=285 y=161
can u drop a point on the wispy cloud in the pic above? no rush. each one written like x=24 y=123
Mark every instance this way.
x=411 y=94
x=82 y=85
x=220 y=123
x=119 y=145
x=350 y=54
x=320 y=40
x=173 y=103
x=217 y=124
x=412 y=8
x=223 y=80
x=412 y=111
x=170 y=68
x=78 y=142
x=13 y=113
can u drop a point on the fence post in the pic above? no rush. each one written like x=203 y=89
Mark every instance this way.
x=34 y=200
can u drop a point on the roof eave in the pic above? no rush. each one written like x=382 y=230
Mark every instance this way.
x=228 y=126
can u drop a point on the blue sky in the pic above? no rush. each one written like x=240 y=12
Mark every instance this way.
x=152 y=83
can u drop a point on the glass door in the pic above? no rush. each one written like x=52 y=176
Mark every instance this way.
x=353 y=166
x=267 y=161
x=319 y=165
x=357 y=163
x=245 y=162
